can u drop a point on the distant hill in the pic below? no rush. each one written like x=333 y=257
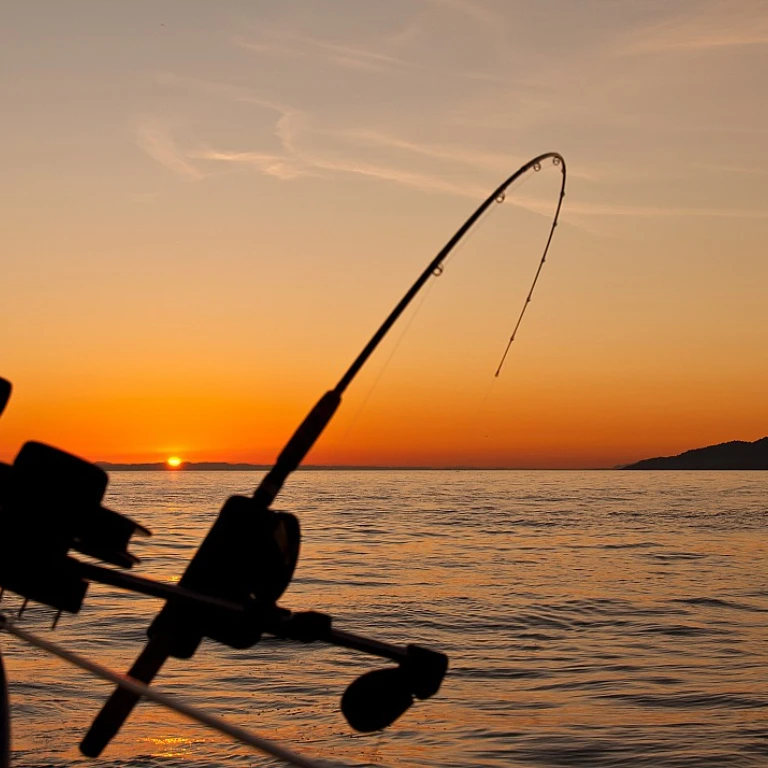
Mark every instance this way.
x=737 y=454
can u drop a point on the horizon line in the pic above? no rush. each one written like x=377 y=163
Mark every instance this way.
x=226 y=466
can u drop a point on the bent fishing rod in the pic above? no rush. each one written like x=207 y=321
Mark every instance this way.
x=215 y=554
x=230 y=589
x=318 y=418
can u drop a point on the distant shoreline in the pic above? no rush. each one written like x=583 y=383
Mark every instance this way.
x=108 y=467
x=735 y=455
x=221 y=466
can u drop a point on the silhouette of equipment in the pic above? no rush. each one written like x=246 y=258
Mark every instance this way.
x=5 y=393
x=50 y=505
x=248 y=559
x=50 y=509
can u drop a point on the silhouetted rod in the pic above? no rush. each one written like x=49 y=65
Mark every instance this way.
x=313 y=627
x=122 y=701
x=433 y=268
x=313 y=425
x=177 y=593
x=149 y=662
x=297 y=447
x=5 y=393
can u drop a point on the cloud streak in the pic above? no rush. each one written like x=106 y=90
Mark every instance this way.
x=296 y=163
x=156 y=140
x=468 y=8
x=298 y=46
x=307 y=150
x=706 y=27
x=280 y=167
x=573 y=208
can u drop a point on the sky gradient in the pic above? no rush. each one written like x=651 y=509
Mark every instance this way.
x=208 y=208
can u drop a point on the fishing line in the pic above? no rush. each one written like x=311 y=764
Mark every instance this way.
x=467 y=239
x=437 y=271
x=434 y=268
x=475 y=423
x=556 y=161
x=383 y=369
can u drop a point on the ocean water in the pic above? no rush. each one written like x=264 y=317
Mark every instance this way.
x=591 y=618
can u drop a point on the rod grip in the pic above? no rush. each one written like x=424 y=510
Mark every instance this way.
x=120 y=704
x=297 y=447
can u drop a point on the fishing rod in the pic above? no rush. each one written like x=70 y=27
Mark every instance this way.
x=170 y=633
x=230 y=589
x=313 y=425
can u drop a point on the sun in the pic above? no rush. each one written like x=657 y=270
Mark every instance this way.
x=173 y=462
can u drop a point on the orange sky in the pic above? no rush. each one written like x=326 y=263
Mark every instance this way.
x=209 y=208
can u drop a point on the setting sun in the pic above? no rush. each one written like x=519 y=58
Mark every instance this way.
x=173 y=462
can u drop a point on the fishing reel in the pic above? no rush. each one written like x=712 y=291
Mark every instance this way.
x=243 y=567
x=50 y=506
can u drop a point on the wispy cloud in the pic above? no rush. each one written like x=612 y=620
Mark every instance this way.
x=298 y=146
x=736 y=169
x=306 y=149
x=674 y=41
x=281 y=167
x=295 y=144
x=477 y=159
x=704 y=26
x=468 y=8
x=276 y=43
x=155 y=139
x=576 y=208
x=298 y=161
x=408 y=178
x=233 y=93
x=457 y=154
